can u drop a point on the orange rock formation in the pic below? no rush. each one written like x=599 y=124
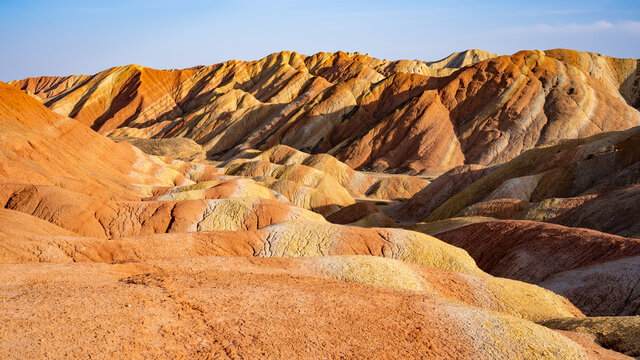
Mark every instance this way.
x=245 y=220
x=369 y=113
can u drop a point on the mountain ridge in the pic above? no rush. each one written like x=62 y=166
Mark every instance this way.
x=338 y=103
x=153 y=256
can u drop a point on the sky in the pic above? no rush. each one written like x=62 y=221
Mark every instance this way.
x=49 y=37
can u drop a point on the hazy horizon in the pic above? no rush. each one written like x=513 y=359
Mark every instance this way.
x=85 y=37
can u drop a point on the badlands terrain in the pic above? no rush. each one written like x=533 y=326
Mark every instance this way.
x=325 y=206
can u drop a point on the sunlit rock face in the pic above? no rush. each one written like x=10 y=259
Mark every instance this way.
x=407 y=116
x=242 y=210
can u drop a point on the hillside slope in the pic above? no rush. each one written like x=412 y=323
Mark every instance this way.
x=94 y=262
x=408 y=116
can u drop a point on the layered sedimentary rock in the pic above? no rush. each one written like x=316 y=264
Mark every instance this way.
x=177 y=148
x=501 y=208
x=460 y=59
x=439 y=191
x=395 y=187
x=611 y=287
x=305 y=186
x=320 y=171
x=591 y=182
x=141 y=256
x=250 y=184
x=587 y=183
x=440 y=226
x=88 y=216
x=408 y=116
x=81 y=161
x=362 y=214
x=615 y=211
x=41 y=147
x=622 y=74
x=595 y=270
x=62 y=172
x=621 y=333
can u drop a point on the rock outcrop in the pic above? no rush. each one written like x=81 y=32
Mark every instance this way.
x=406 y=116
x=362 y=214
x=598 y=272
x=246 y=222
x=620 y=333
x=622 y=74
x=439 y=191
x=359 y=184
x=502 y=208
x=591 y=182
x=177 y=148
x=440 y=226
x=611 y=288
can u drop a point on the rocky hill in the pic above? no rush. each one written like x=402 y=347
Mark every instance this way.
x=369 y=113
x=294 y=207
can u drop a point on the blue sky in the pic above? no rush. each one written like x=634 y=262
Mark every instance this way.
x=83 y=37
